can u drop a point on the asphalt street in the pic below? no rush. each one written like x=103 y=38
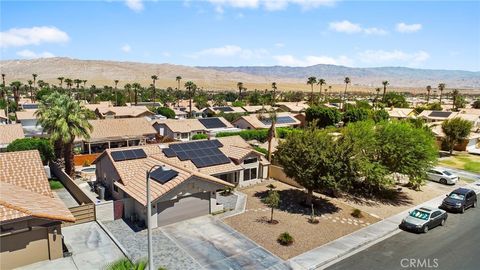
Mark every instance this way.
x=453 y=246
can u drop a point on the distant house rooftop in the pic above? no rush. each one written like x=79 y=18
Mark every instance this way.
x=9 y=133
x=259 y=121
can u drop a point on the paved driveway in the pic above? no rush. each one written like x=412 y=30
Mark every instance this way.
x=90 y=246
x=214 y=245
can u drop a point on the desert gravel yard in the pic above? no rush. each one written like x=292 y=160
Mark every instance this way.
x=335 y=220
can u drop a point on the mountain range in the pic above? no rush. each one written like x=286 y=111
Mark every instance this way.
x=100 y=72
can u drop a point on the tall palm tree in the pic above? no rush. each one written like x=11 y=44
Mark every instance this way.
x=77 y=82
x=272 y=133
x=178 y=79
x=441 y=87
x=16 y=85
x=30 y=82
x=61 y=81
x=240 y=88
x=385 y=83
x=429 y=89
x=136 y=86
x=84 y=89
x=320 y=82
x=128 y=87
x=34 y=75
x=69 y=83
x=116 y=92
x=191 y=87
x=376 y=96
x=274 y=87
x=455 y=94
x=346 y=81
x=64 y=119
x=154 y=78
x=3 y=93
x=311 y=81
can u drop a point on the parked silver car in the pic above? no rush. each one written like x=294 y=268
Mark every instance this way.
x=424 y=219
x=442 y=176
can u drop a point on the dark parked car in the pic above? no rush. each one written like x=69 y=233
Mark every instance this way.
x=424 y=219
x=459 y=200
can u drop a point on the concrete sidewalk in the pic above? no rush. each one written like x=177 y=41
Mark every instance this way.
x=346 y=245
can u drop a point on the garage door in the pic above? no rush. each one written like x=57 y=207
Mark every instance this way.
x=183 y=208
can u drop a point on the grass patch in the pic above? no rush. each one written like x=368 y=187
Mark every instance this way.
x=472 y=166
x=462 y=161
x=55 y=184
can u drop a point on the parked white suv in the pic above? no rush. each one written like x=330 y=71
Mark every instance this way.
x=442 y=176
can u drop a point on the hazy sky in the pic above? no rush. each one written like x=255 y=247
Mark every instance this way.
x=428 y=34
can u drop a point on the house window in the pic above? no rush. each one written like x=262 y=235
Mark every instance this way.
x=184 y=135
x=250 y=160
x=249 y=174
x=115 y=188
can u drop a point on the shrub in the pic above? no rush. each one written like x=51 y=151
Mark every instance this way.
x=285 y=239
x=167 y=112
x=44 y=146
x=199 y=137
x=357 y=213
x=55 y=184
x=355 y=115
x=324 y=116
x=238 y=104
x=227 y=191
x=261 y=150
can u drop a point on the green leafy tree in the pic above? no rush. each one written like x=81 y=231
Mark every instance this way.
x=476 y=104
x=306 y=158
x=272 y=200
x=355 y=115
x=165 y=111
x=44 y=146
x=379 y=115
x=323 y=116
x=397 y=100
x=406 y=149
x=126 y=264
x=64 y=119
x=456 y=130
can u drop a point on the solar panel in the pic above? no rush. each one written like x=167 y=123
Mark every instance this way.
x=128 y=154
x=201 y=153
x=223 y=109
x=118 y=155
x=280 y=120
x=440 y=114
x=163 y=175
x=212 y=123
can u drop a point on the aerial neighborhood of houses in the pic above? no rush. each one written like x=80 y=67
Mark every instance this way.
x=88 y=179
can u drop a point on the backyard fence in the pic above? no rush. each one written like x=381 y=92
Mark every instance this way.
x=82 y=213
x=277 y=173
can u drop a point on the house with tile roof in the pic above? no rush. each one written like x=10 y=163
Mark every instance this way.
x=9 y=133
x=3 y=117
x=30 y=213
x=185 y=129
x=115 y=133
x=215 y=110
x=293 y=107
x=28 y=119
x=185 y=183
x=123 y=112
x=261 y=121
x=400 y=113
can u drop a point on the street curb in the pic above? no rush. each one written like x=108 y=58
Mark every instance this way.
x=122 y=249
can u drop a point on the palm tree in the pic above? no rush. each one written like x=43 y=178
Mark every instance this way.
x=34 y=75
x=128 y=87
x=311 y=81
x=240 y=88
x=385 y=83
x=320 y=82
x=454 y=99
x=69 y=83
x=441 y=87
x=429 y=88
x=272 y=133
x=178 y=79
x=16 y=85
x=376 y=96
x=191 y=87
x=64 y=119
x=30 y=82
x=136 y=86
x=346 y=81
x=61 y=81
x=116 y=92
x=3 y=93
x=77 y=82
x=274 y=87
x=154 y=78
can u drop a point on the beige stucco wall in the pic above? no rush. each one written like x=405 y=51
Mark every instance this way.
x=28 y=246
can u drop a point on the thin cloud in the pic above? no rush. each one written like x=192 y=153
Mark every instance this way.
x=348 y=27
x=272 y=5
x=18 y=37
x=396 y=57
x=28 y=54
x=408 y=28
x=231 y=51
x=126 y=48
x=135 y=5
x=290 y=60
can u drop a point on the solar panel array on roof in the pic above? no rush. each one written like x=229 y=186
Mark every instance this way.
x=201 y=153
x=128 y=154
x=29 y=106
x=440 y=114
x=212 y=123
x=163 y=175
x=223 y=109
x=280 y=120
